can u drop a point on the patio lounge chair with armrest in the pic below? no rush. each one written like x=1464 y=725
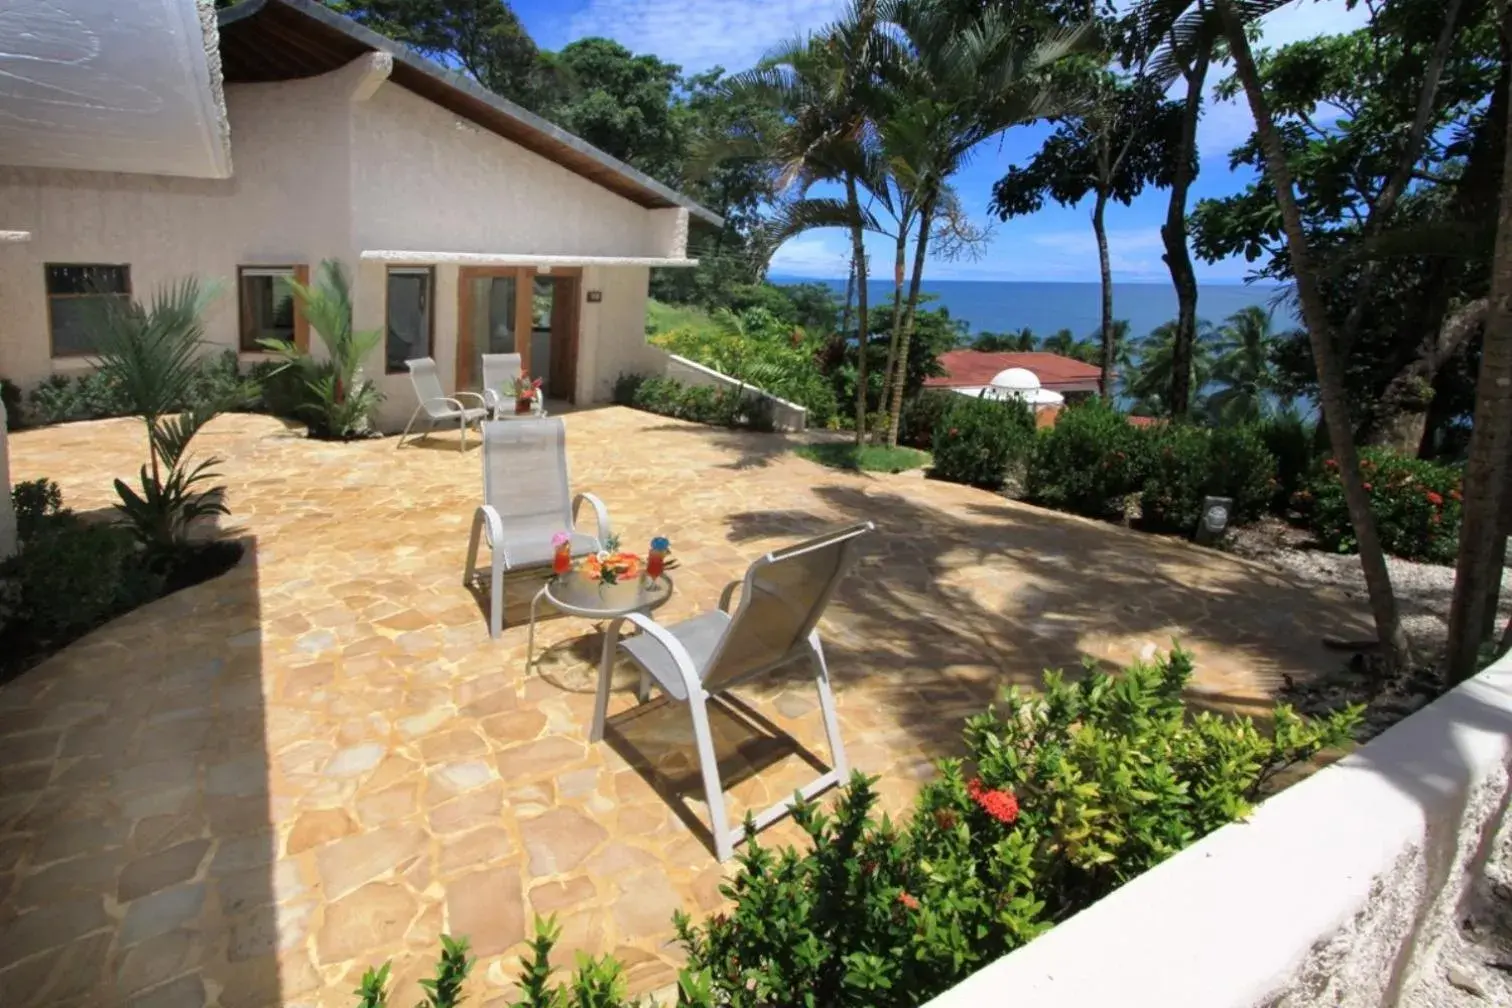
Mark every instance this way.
x=782 y=598
x=525 y=503
x=437 y=406
x=499 y=372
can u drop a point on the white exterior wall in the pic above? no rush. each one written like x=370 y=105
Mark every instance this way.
x=327 y=168
x=1344 y=890
x=286 y=204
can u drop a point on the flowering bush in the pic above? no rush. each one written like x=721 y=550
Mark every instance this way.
x=981 y=442
x=1416 y=506
x=1076 y=789
x=1088 y=462
x=1186 y=463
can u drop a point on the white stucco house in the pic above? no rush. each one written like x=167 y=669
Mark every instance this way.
x=469 y=225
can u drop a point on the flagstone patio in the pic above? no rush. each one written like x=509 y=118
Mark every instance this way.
x=248 y=792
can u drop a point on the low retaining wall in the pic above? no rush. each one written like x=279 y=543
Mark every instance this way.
x=1344 y=890
x=786 y=416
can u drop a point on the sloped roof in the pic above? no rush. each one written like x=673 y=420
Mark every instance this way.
x=969 y=368
x=273 y=40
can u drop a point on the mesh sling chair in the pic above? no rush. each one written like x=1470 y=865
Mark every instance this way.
x=437 y=406
x=499 y=373
x=525 y=503
x=782 y=598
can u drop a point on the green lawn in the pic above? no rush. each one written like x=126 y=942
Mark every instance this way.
x=662 y=317
x=867 y=458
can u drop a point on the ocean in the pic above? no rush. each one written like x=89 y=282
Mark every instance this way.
x=1007 y=306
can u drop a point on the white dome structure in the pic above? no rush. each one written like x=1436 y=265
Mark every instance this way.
x=1017 y=383
x=1016 y=379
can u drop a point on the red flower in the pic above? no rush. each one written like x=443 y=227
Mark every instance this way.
x=1001 y=805
x=909 y=901
x=1367 y=486
x=1434 y=499
x=1330 y=464
x=954 y=431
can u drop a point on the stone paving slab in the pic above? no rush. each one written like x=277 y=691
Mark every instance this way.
x=248 y=792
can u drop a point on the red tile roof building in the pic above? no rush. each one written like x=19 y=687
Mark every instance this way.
x=972 y=368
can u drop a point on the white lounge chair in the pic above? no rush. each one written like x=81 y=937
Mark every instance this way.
x=439 y=407
x=782 y=597
x=499 y=372
x=525 y=503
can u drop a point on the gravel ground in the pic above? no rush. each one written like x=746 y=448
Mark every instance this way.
x=1423 y=590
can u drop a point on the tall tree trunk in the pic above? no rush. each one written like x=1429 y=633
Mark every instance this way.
x=850 y=295
x=1173 y=234
x=900 y=259
x=1486 y=469
x=858 y=252
x=1109 y=340
x=1335 y=401
x=900 y=381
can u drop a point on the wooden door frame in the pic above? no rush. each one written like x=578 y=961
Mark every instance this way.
x=571 y=319
x=524 y=278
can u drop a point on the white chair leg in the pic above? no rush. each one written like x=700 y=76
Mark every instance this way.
x=827 y=708
x=462 y=423
x=408 y=426
x=724 y=844
x=496 y=597
x=471 y=570
x=606 y=673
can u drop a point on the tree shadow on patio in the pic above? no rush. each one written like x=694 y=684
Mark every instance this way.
x=135 y=838
x=945 y=608
x=752 y=449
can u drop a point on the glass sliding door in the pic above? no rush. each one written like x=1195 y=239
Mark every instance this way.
x=491 y=316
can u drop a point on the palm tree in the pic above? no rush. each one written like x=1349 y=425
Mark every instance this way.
x=1243 y=371
x=824 y=89
x=150 y=354
x=957 y=82
x=1150 y=381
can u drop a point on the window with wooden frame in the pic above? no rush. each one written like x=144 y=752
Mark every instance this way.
x=267 y=308
x=77 y=296
x=408 y=315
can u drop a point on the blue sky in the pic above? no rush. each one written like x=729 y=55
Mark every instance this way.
x=1054 y=244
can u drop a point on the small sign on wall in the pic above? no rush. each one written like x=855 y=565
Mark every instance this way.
x=594 y=297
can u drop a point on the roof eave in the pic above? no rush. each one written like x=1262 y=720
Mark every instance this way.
x=419 y=64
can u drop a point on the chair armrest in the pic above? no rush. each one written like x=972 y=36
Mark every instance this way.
x=473 y=395
x=493 y=525
x=491 y=398
x=451 y=405
x=600 y=515
x=729 y=590
x=674 y=647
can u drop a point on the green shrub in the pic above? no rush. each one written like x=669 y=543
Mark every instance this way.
x=1183 y=464
x=1088 y=462
x=1416 y=506
x=921 y=416
x=1290 y=441
x=1076 y=790
x=95 y=395
x=36 y=502
x=71 y=575
x=1178 y=468
x=698 y=403
x=982 y=442
x=1244 y=468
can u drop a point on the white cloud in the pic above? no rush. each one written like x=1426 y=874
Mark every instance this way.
x=697 y=34
x=816 y=254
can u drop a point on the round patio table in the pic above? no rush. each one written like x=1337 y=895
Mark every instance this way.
x=575 y=595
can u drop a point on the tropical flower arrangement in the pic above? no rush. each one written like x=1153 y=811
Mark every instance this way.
x=526 y=387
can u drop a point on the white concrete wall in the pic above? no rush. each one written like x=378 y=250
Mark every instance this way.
x=1342 y=890
x=330 y=167
x=287 y=203
x=786 y=416
x=422 y=178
